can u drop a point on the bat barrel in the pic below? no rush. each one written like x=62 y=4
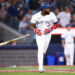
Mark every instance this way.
x=7 y=42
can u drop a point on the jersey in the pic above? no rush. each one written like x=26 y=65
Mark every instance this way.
x=43 y=22
x=68 y=36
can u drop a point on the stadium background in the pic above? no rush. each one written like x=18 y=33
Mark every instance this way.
x=24 y=51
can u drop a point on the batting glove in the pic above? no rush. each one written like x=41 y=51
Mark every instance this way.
x=46 y=31
x=54 y=27
x=37 y=31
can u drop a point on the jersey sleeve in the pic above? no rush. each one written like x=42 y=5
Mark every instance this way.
x=63 y=36
x=33 y=19
x=54 y=18
x=74 y=35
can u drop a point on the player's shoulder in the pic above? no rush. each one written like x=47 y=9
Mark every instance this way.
x=71 y=31
x=52 y=13
x=37 y=14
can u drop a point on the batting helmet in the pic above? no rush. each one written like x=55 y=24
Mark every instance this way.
x=68 y=25
x=44 y=6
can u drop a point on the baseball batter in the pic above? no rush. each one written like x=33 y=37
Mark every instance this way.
x=45 y=22
x=68 y=45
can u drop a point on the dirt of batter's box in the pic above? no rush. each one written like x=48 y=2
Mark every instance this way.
x=47 y=71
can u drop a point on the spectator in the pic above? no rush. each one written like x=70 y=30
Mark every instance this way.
x=2 y=1
x=8 y=3
x=72 y=5
x=21 y=5
x=26 y=3
x=56 y=11
x=21 y=14
x=23 y=25
x=0 y=6
x=3 y=13
x=33 y=4
x=12 y=10
x=64 y=17
x=40 y=1
x=28 y=15
x=62 y=3
x=73 y=20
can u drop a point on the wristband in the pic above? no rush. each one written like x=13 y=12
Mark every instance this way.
x=50 y=30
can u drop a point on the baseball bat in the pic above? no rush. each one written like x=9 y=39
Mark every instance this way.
x=9 y=41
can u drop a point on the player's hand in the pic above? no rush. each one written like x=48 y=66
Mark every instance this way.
x=54 y=27
x=38 y=32
x=47 y=31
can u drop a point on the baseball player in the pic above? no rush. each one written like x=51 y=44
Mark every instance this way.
x=68 y=45
x=45 y=22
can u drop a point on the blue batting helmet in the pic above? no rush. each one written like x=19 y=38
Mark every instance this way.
x=68 y=25
x=44 y=6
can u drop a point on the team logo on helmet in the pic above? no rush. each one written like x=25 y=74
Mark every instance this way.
x=44 y=6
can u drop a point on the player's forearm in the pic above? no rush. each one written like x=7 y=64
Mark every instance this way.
x=56 y=24
x=31 y=26
x=63 y=42
x=52 y=28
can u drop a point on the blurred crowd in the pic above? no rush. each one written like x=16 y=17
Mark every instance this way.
x=17 y=13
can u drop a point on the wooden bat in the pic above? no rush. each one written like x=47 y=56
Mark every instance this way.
x=9 y=41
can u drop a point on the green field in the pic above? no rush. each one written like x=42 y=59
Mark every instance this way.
x=37 y=73
x=26 y=73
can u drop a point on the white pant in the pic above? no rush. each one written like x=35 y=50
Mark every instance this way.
x=69 y=53
x=42 y=43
